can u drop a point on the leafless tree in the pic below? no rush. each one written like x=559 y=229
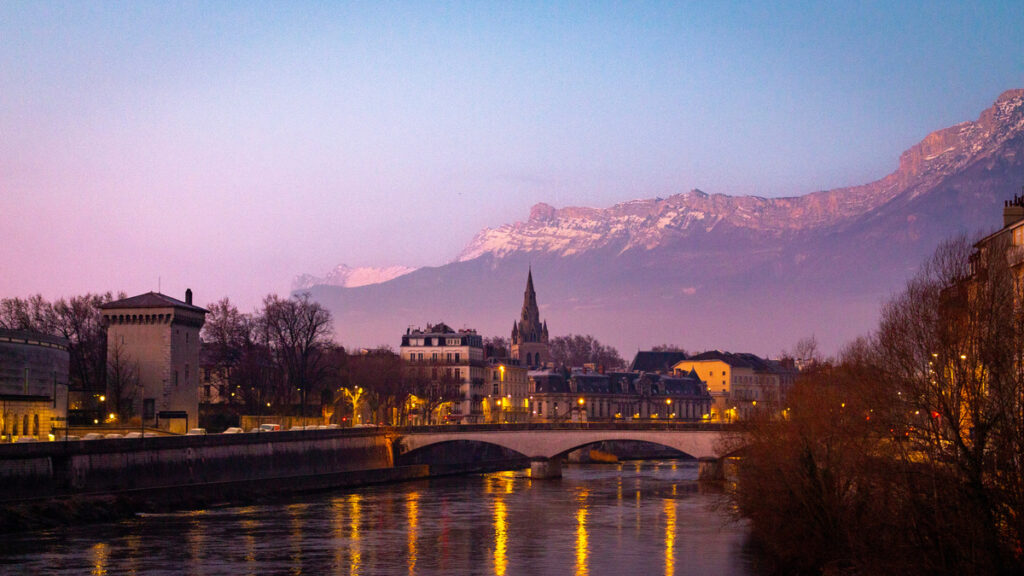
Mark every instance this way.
x=122 y=383
x=577 y=350
x=298 y=331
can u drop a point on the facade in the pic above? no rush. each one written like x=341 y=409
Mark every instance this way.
x=619 y=396
x=157 y=337
x=739 y=383
x=33 y=385
x=457 y=356
x=508 y=391
x=529 y=335
x=1009 y=238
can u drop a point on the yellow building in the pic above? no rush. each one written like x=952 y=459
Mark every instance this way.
x=508 y=392
x=739 y=384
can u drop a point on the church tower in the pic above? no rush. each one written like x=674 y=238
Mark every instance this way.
x=529 y=334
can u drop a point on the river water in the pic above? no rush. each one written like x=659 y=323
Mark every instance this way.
x=645 y=518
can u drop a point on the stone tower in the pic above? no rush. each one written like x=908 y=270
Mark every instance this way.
x=529 y=334
x=158 y=338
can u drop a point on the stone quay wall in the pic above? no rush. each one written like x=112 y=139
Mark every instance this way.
x=254 y=463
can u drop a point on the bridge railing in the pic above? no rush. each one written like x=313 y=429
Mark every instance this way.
x=537 y=426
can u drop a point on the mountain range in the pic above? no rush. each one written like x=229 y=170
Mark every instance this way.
x=704 y=271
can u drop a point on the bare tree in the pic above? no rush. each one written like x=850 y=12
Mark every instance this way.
x=122 y=383
x=577 y=350
x=298 y=331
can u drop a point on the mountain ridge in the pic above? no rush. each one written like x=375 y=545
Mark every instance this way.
x=714 y=271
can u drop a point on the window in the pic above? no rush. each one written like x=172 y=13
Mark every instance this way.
x=1018 y=236
x=175 y=381
x=457 y=355
x=148 y=408
x=449 y=357
x=458 y=374
x=206 y=374
x=496 y=391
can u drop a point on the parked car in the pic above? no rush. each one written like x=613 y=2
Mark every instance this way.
x=297 y=428
x=113 y=436
x=93 y=436
x=23 y=439
x=270 y=427
x=196 y=432
x=234 y=430
x=133 y=435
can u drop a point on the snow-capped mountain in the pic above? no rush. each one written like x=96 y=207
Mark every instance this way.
x=656 y=222
x=710 y=270
x=347 y=277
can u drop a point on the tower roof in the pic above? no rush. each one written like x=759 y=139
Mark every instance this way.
x=151 y=300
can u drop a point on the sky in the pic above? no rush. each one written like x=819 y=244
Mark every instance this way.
x=229 y=146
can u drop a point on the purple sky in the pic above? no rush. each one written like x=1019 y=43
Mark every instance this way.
x=230 y=147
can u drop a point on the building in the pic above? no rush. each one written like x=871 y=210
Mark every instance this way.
x=1009 y=238
x=33 y=385
x=446 y=355
x=739 y=383
x=508 y=391
x=658 y=362
x=584 y=396
x=529 y=335
x=157 y=338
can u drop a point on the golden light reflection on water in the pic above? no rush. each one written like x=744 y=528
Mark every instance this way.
x=670 y=537
x=100 y=557
x=355 y=518
x=249 y=525
x=500 y=538
x=196 y=538
x=338 y=532
x=582 y=546
x=295 y=535
x=412 y=514
x=133 y=542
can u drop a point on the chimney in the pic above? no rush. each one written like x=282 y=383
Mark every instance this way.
x=188 y=296
x=1013 y=210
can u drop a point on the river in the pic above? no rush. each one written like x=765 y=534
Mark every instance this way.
x=645 y=518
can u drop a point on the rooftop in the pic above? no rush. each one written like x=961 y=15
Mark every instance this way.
x=151 y=300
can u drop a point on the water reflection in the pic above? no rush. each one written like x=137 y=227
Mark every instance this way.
x=100 y=557
x=670 y=535
x=500 y=537
x=295 y=537
x=491 y=525
x=355 y=550
x=582 y=566
x=412 y=519
x=196 y=539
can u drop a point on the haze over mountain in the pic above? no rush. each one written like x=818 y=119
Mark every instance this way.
x=348 y=277
x=710 y=270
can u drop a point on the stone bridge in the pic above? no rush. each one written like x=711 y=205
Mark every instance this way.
x=545 y=444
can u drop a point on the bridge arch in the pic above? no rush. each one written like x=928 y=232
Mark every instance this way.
x=553 y=442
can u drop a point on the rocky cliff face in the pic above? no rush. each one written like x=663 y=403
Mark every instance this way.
x=658 y=222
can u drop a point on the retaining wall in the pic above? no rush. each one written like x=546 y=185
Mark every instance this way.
x=47 y=469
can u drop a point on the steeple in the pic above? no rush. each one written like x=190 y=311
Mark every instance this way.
x=530 y=334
